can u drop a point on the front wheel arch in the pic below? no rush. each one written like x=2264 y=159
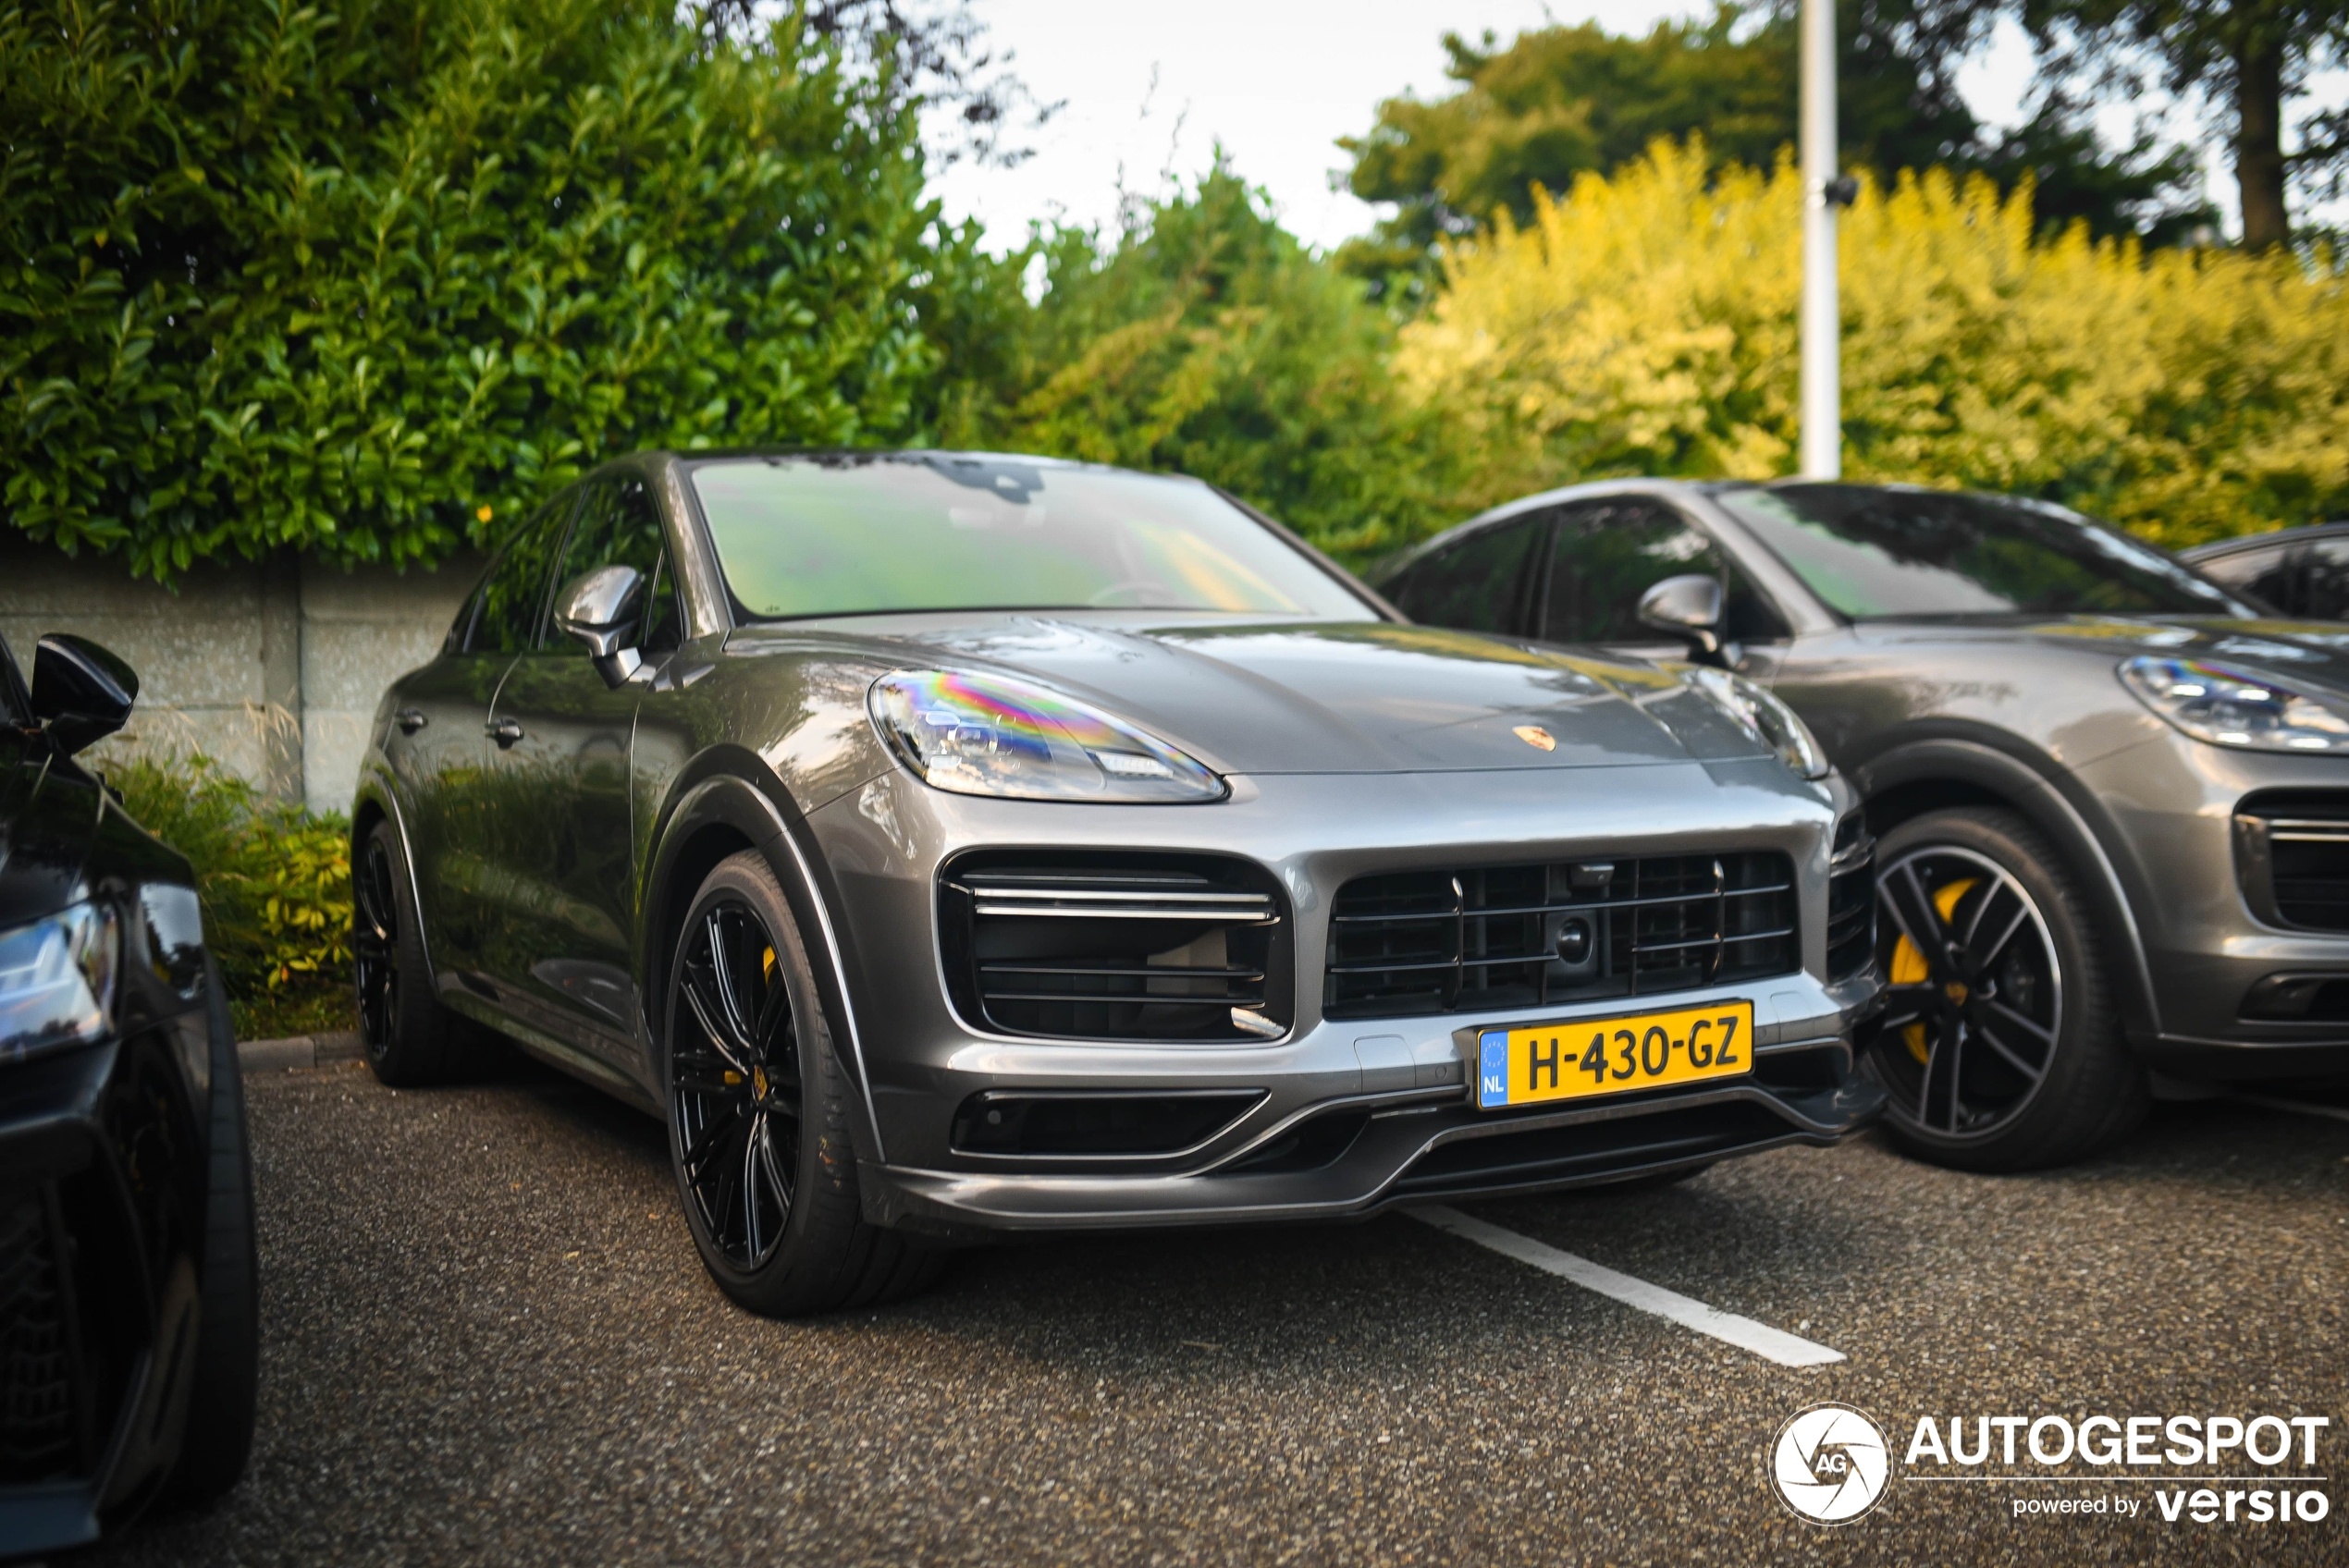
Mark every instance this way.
x=1943 y=774
x=711 y=818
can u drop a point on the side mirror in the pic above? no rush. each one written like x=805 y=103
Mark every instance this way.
x=80 y=692
x=601 y=609
x=1688 y=608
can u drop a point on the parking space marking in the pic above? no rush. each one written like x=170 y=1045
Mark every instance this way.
x=1771 y=1344
x=2269 y=1102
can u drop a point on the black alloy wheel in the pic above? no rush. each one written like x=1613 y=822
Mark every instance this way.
x=759 y=1108
x=374 y=941
x=1996 y=1045
x=1976 y=999
x=734 y=1084
x=409 y=1038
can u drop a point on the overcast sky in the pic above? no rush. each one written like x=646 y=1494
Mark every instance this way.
x=1153 y=88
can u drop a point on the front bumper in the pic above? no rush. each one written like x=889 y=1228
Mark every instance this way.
x=2194 y=882
x=100 y=1212
x=1342 y=1118
x=1414 y=1146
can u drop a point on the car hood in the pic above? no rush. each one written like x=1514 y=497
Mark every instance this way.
x=2294 y=652
x=1357 y=697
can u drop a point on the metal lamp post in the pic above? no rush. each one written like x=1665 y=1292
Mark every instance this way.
x=1822 y=328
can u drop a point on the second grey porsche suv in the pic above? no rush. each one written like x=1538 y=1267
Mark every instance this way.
x=949 y=844
x=2111 y=795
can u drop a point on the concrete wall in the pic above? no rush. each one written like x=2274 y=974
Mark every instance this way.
x=274 y=668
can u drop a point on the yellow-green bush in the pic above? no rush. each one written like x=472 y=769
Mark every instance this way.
x=273 y=881
x=1646 y=325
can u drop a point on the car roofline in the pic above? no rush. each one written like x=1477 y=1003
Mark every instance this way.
x=2334 y=528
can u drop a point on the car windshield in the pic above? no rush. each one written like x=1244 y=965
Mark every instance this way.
x=1877 y=554
x=872 y=534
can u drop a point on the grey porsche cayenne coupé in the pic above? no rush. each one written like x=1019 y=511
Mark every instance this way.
x=2109 y=792
x=948 y=845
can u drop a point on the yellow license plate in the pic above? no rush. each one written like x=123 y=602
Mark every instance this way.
x=1613 y=1055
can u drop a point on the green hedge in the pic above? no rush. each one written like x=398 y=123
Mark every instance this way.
x=367 y=281
x=273 y=881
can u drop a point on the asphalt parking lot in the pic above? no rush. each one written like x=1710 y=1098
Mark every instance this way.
x=488 y=1338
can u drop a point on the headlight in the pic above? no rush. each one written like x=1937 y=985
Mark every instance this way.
x=1763 y=716
x=2227 y=707
x=989 y=735
x=58 y=981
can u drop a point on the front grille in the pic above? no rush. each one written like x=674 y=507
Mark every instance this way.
x=2293 y=855
x=1526 y=935
x=38 y=1429
x=1850 y=900
x=1190 y=948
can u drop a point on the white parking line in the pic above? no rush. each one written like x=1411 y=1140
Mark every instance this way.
x=1771 y=1344
x=2269 y=1102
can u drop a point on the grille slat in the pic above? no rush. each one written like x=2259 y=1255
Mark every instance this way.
x=1120 y=971
x=1436 y=941
x=1088 y=947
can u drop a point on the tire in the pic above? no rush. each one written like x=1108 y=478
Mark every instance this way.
x=409 y=1039
x=218 y=1436
x=759 y=1113
x=1999 y=1047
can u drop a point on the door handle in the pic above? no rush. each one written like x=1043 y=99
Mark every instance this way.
x=412 y=720
x=505 y=731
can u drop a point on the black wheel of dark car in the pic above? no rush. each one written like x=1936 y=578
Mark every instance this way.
x=219 y=1434
x=1998 y=1045
x=759 y=1113
x=409 y=1038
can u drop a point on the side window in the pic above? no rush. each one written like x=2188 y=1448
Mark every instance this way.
x=1475 y=586
x=2323 y=580
x=619 y=525
x=513 y=596
x=663 y=617
x=2306 y=581
x=1605 y=555
x=2266 y=574
x=16 y=698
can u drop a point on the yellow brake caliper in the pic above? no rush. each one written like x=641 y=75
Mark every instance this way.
x=1909 y=967
x=759 y=1082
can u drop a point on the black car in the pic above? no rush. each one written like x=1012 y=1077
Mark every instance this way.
x=2302 y=572
x=2111 y=795
x=128 y=1326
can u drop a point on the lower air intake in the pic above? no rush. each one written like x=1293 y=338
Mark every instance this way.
x=38 y=1408
x=1141 y=947
x=2293 y=855
x=1850 y=901
x=1085 y=1125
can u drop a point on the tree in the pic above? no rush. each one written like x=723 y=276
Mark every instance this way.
x=1205 y=340
x=1646 y=323
x=2249 y=56
x=1559 y=101
x=367 y=283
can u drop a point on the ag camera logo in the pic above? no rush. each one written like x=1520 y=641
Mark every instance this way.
x=1830 y=1464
